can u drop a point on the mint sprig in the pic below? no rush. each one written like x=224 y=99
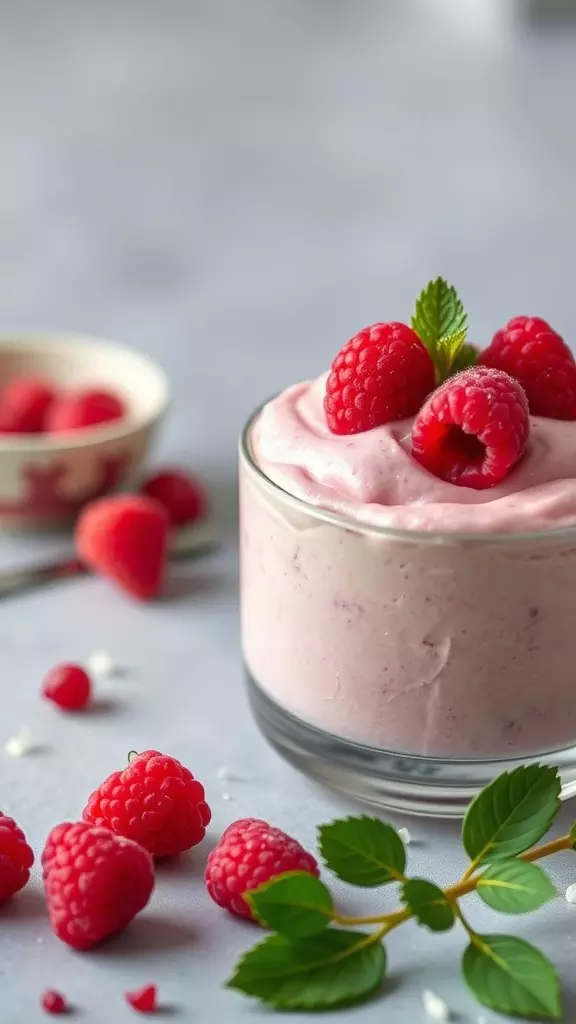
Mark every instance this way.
x=363 y=851
x=515 y=887
x=337 y=968
x=297 y=904
x=441 y=323
x=511 y=976
x=317 y=960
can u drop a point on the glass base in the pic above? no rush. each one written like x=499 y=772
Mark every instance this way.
x=427 y=786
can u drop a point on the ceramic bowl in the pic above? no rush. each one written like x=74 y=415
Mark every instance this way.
x=46 y=478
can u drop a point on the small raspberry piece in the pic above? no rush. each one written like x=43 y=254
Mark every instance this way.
x=529 y=350
x=25 y=404
x=16 y=858
x=95 y=882
x=68 y=686
x=125 y=538
x=53 y=1002
x=180 y=493
x=249 y=853
x=383 y=373
x=89 y=408
x=473 y=429
x=156 y=801
x=144 y=1000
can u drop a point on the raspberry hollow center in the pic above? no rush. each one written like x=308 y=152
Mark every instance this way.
x=456 y=443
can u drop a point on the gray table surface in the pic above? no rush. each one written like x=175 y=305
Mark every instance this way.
x=235 y=188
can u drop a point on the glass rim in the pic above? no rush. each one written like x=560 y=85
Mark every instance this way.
x=347 y=522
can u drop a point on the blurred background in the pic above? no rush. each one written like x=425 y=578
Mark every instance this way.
x=236 y=187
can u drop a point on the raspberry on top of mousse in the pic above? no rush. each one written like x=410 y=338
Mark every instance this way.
x=471 y=409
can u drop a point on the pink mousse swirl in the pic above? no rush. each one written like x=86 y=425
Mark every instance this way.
x=373 y=478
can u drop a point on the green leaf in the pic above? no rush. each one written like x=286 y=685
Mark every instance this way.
x=336 y=968
x=464 y=358
x=512 y=813
x=295 y=904
x=447 y=351
x=573 y=836
x=428 y=904
x=515 y=887
x=509 y=975
x=363 y=851
x=441 y=324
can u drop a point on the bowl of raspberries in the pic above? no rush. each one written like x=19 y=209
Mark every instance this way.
x=77 y=418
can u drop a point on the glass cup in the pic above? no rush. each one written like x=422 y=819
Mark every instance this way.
x=405 y=668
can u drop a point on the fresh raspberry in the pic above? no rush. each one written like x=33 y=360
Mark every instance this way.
x=25 y=404
x=68 y=686
x=473 y=429
x=529 y=350
x=87 y=408
x=180 y=493
x=16 y=858
x=144 y=1000
x=53 y=1002
x=383 y=373
x=156 y=801
x=95 y=882
x=249 y=853
x=125 y=538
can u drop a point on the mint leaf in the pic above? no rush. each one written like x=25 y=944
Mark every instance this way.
x=515 y=887
x=295 y=904
x=512 y=813
x=441 y=324
x=336 y=968
x=573 y=836
x=363 y=851
x=428 y=904
x=509 y=975
x=466 y=357
x=447 y=351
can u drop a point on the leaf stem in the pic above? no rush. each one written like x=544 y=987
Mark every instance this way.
x=467 y=884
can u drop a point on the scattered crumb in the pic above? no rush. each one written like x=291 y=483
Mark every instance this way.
x=225 y=774
x=100 y=664
x=405 y=836
x=39 y=939
x=434 y=1006
x=225 y=796
x=20 y=745
x=571 y=893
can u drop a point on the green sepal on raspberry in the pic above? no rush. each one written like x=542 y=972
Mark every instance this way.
x=155 y=801
x=441 y=323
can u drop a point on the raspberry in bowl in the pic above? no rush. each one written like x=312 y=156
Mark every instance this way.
x=77 y=418
x=407 y=583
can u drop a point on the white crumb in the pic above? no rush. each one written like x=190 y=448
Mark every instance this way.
x=405 y=835
x=100 y=664
x=39 y=939
x=225 y=796
x=571 y=893
x=226 y=774
x=434 y=1006
x=20 y=745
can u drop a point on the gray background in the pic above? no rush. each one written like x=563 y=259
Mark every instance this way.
x=236 y=187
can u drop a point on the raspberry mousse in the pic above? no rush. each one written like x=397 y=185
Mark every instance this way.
x=407 y=582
